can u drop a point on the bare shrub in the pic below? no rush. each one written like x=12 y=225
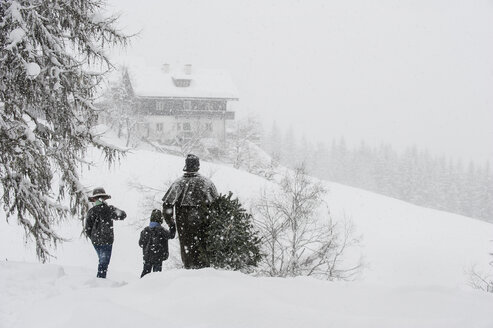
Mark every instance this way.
x=299 y=238
x=481 y=280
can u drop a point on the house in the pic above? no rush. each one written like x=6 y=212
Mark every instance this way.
x=177 y=104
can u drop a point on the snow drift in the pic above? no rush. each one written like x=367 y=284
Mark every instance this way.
x=59 y=297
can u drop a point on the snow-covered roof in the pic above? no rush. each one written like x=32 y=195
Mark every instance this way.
x=204 y=83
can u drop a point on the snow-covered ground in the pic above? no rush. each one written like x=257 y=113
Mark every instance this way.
x=416 y=275
x=59 y=297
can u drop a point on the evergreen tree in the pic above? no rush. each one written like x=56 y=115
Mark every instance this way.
x=487 y=194
x=274 y=142
x=340 y=157
x=242 y=141
x=119 y=103
x=231 y=241
x=441 y=184
x=320 y=161
x=305 y=151
x=289 y=153
x=49 y=53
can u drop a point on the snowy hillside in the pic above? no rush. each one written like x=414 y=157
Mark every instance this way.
x=416 y=258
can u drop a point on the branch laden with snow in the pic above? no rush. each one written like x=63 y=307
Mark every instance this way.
x=48 y=54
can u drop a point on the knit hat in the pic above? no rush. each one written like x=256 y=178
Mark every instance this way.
x=156 y=216
x=192 y=163
x=98 y=193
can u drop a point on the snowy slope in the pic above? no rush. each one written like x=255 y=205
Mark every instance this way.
x=68 y=297
x=416 y=263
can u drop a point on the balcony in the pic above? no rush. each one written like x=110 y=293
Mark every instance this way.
x=203 y=114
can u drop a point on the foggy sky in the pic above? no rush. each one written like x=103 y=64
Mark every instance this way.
x=404 y=72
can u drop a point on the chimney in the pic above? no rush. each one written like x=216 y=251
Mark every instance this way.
x=165 y=68
x=188 y=69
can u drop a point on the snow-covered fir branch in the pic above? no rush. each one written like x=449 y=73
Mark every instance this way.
x=50 y=53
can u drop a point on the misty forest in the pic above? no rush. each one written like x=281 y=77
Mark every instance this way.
x=414 y=175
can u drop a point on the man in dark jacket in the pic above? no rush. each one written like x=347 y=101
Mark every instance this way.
x=184 y=198
x=99 y=227
x=154 y=242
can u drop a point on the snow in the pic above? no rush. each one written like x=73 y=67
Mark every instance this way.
x=97 y=18
x=149 y=81
x=29 y=130
x=15 y=12
x=16 y=36
x=32 y=70
x=416 y=258
x=70 y=297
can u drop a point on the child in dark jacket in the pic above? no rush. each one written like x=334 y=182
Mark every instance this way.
x=154 y=242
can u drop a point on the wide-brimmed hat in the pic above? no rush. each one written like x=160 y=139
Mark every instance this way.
x=98 y=193
x=192 y=163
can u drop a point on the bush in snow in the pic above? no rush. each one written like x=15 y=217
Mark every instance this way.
x=48 y=54
x=298 y=240
x=481 y=280
x=231 y=241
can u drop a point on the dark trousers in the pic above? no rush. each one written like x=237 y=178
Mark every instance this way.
x=104 y=255
x=155 y=267
x=192 y=237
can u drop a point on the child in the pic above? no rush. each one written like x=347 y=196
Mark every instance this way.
x=154 y=242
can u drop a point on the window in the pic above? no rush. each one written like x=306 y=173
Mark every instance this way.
x=178 y=126
x=187 y=105
x=187 y=127
x=160 y=105
x=181 y=83
x=159 y=127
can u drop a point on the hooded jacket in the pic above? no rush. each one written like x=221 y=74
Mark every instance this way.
x=154 y=243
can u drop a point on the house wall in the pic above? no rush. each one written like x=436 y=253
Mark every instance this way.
x=165 y=119
x=167 y=128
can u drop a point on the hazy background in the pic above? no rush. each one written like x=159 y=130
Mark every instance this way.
x=405 y=72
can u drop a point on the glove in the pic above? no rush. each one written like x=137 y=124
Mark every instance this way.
x=121 y=215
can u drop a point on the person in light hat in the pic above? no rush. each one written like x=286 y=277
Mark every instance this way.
x=99 y=227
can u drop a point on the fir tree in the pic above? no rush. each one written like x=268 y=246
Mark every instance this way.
x=119 y=103
x=231 y=241
x=51 y=55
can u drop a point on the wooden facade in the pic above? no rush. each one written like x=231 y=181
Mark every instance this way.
x=171 y=120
